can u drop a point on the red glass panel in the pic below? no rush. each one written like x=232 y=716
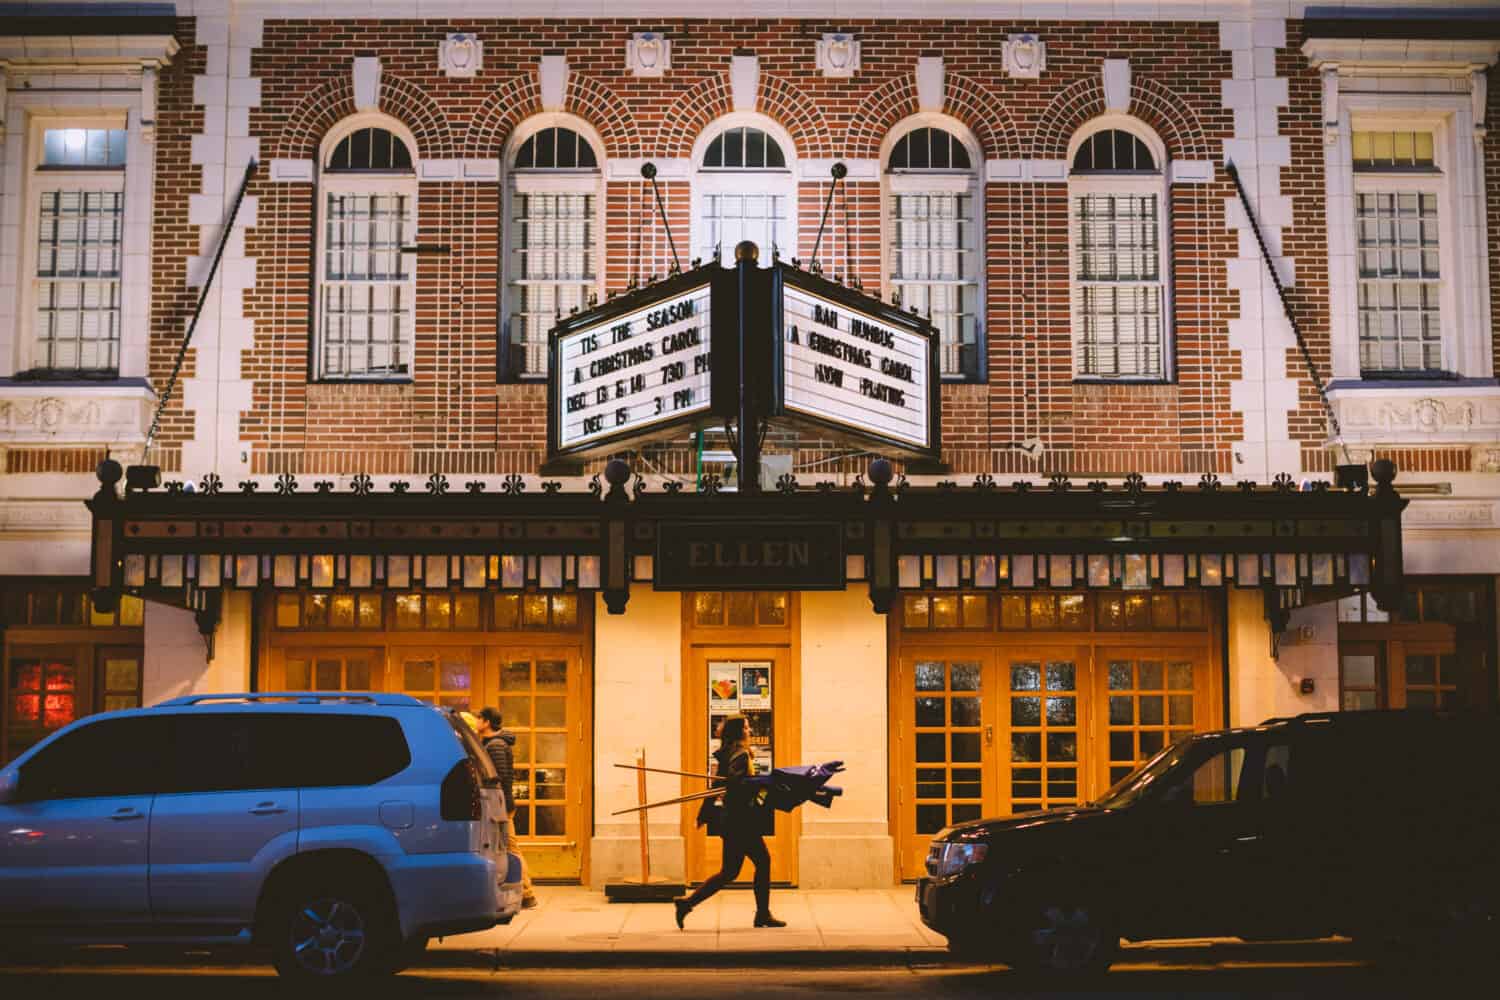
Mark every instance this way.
x=26 y=707
x=26 y=677
x=58 y=711
x=60 y=676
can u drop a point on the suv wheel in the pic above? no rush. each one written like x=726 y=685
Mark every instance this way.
x=1065 y=939
x=332 y=932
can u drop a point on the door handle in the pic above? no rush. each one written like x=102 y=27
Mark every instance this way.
x=267 y=809
x=128 y=812
x=989 y=736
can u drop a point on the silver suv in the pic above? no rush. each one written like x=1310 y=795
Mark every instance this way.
x=339 y=831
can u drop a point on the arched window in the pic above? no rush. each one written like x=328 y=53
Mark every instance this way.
x=366 y=284
x=932 y=257
x=552 y=197
x=743 y=190
x=1118 y=233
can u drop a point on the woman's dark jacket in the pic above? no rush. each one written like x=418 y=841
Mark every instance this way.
x=743 y=813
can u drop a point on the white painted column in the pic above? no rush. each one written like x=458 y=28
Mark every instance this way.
x=845 y=717
x=177 y=657
x=637 y=703
x=1261 y=688
x=1264 y=394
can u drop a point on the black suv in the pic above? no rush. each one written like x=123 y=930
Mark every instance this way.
x=1382 y=826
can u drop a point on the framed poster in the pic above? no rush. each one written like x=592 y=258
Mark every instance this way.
x=743 y=687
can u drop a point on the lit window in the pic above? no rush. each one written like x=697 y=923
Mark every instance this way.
x=365 y=281
x=1117 y=196
x=553 y=238
x=933 y=260
x=744 y=191
x=1399 y=262
x=80 y=226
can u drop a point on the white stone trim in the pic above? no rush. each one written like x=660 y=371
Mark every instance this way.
x=860 y=169
x=293 y=171
x=476 y=170
x=86 y=53
x=109 y=413
x=1190 y=171
x=552 y=81
x=1374 y=414
x=744 y=82
x=366 y=82
x=1116 y=80
x=1402 y=55
x=1265 y=394
x=930 y=83
x=668 y=168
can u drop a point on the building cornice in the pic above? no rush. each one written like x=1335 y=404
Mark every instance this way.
x=1426 y=55
x=85 y=52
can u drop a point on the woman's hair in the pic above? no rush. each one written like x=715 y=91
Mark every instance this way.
x=734 y=731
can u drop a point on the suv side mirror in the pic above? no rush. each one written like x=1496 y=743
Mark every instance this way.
x=10 y=785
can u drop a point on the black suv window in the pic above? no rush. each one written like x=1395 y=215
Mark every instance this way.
x=108 y=757
x=237 y=751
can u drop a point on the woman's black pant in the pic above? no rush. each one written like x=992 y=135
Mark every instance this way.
x=739 y=845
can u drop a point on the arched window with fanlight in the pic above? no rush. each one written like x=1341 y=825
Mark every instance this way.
x=744 y=189
x=1118 y=236
x=552 y=205
x=933 y=222
x=367 y=210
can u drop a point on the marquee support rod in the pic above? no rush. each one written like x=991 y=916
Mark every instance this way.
x=839 y=172
x=648 y=171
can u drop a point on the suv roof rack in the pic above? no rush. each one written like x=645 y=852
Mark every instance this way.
x=300 y=697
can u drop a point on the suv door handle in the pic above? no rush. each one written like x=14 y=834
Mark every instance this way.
x=128 y=812
x=267 y=809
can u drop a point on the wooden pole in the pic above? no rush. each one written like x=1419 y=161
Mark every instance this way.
x=663 y=770
x=640 y=785
x=710 y=794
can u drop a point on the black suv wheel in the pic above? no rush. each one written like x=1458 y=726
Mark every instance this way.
x=333 y=930
x=1063 y=939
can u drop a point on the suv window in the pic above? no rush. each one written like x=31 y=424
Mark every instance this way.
x=474 y=748
x=1213 y=781
x=108 y=757
x=220 y=752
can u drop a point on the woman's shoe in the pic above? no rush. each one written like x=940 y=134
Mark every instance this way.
x=763 y=920
x=683 y=909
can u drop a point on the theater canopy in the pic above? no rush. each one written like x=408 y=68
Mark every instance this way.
x=185 y=545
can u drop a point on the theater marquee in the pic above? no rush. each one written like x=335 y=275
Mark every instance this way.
x=855 y=367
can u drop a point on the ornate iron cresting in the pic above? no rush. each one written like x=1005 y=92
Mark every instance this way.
x=1298 y=546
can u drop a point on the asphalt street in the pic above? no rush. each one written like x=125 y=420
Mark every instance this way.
x=1280 y=971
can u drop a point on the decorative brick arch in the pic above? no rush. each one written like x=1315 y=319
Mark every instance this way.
x=685 y=118
x=520 y=97
x=507 y=106
x=963 y=98
x=1153 y=103
x=788 y=104
x=983 y=111
x=325 y=107
x=884 y=107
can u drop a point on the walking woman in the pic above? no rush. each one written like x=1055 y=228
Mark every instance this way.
x=742 y=826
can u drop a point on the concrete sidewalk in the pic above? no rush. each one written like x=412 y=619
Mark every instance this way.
x=579 y=927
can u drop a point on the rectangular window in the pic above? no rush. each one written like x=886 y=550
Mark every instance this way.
x=1400 y=320
x=79 y=251
x=730 y=218
x=1117 y=285
x=934 y=267
x=75 y=148
x=366 y=288
x=553 y=269
x=1382 y=150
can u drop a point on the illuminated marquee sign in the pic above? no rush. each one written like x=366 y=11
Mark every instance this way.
x=620 y=376
x=863 y=370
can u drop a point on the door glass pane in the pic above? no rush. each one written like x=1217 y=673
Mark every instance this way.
x=516 y=676
x=1421 y=670
x=552 y=712
x=965 y=711
x=298 y=675
x=357 y=675
x=515 y=710
x=929 y=676
x=419 y=675
x=552 y=675
x=964 y=677
x=327 y=676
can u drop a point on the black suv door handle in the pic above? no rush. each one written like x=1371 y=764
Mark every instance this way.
x=128 y=812
x=267 y=809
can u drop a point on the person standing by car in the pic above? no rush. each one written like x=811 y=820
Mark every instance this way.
x=743 y=826
x=499 y=743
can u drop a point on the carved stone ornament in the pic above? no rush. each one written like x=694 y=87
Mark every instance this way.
x=838 y=55
x=1024 y=57
x=461 y=55
x=1486 y=459
x=1331 y=103
x=648 y=53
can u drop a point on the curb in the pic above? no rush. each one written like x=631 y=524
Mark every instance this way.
x=734 y=958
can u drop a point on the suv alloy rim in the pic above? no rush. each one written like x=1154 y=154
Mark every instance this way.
x=328 y=937
x=1067 y=939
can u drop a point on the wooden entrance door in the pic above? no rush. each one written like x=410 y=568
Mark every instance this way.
x=542 y=693
x=439 y=675
x=1146 y=698
x=757 y=681
x=1405 y=673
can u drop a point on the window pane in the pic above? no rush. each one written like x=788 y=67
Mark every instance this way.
x=1400 y=321
x=79 y=253
x=1118 y=285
